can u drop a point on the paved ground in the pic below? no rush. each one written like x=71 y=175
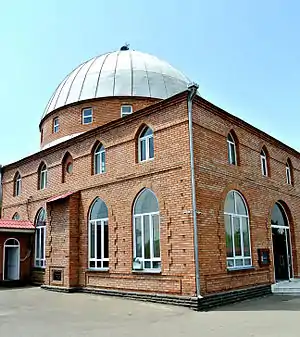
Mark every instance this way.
x=38 y=313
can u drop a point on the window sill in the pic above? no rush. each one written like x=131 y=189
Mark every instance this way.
x=101 y=270
x=146 y=271
x=233 y=269
x=146 y=161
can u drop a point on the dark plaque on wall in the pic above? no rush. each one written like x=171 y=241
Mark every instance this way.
x=263 y=256
x=56 y=275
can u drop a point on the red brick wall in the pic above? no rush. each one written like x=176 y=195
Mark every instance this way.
x=215 y=178
x=105 y=110
x=167 y=175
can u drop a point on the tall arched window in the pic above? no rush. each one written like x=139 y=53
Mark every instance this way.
x=98 y=235
x=17 y=184
x=288 y=171
x=99 y=159
x=231 y=147
x=40 y=239
x=67 y=166
x=42 y=176
x=146 y=145
x=146 y=247
x=264 y=162
x=237 y=231
x=16 y=216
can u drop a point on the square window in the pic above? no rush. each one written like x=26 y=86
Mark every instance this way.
x=87 y=116
x=126 y=110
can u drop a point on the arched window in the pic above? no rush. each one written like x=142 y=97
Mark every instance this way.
x=17 y=184
x=264 y=163
x=40 y=239
x=98 y=235
x=67 y=166
x=237 y=231
x=11 y=260
x=146 y=146
x=42 y=183
x=16 y=216
x=12 y=243
x=288 y=171
x=146 y=234
x=99 y=159
x=231 y=147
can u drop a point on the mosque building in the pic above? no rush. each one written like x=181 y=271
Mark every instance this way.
x=144 y=189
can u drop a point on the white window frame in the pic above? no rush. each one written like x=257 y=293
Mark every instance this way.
x=142 y=259
x=98 y=222
x=102 y=163
x=231 y=143
x=14 y=245
x=239 y=217
x=146 y=139
x=55 y=125
x=264 y=163
x=40 y=252
x=87 y=116
x=123 y=114
x=18 y=185
x=288 y=174
x=43 y=177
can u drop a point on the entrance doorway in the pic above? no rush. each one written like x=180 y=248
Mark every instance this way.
x=11 y=256
x=281 y=244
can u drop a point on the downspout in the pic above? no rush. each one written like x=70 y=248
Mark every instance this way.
x=192 y=88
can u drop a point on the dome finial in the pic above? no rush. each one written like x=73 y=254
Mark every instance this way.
x=125 y=47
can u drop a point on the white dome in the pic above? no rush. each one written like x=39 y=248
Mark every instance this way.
x=119 y=73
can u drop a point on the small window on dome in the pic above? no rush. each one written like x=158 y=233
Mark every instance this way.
x=126 y=110
x=55 y=125
x=87 y=116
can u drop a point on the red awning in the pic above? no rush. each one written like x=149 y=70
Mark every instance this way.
x=16 y=226
x=59 y=197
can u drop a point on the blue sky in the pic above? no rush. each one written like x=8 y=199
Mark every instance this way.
x=244 y=54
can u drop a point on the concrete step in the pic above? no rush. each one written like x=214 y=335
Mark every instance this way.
x=287 y=288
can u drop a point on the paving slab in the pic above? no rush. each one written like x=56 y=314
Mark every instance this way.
x=33 y=312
